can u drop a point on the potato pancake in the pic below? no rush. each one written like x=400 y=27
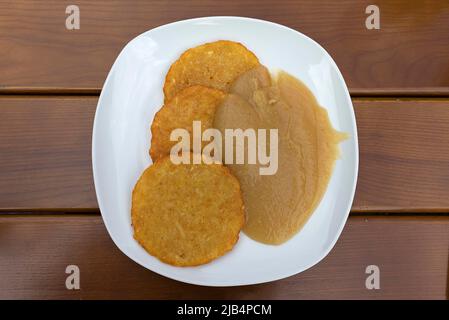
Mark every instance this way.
x=196 y=103
x=216 y=64
x=187 y=214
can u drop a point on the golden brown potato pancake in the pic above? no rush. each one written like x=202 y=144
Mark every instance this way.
x=187 y=214
x=216 y=64
x=193 y=103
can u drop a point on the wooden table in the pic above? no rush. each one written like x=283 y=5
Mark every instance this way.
x=50 y=79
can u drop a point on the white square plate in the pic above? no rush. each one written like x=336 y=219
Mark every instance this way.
x=132 y=94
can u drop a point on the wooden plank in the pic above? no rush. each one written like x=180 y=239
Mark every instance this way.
x=45 y=153
x=45 y=157
x=411 y=253
x=404 y=155
x=409 y=53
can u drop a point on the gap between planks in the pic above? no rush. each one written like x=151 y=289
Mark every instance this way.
x=89 y=212
x=393 y=93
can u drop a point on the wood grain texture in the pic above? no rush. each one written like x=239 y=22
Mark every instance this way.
x=404 y=155
x=409 y=53
x=412 y=255
x=45 y=154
